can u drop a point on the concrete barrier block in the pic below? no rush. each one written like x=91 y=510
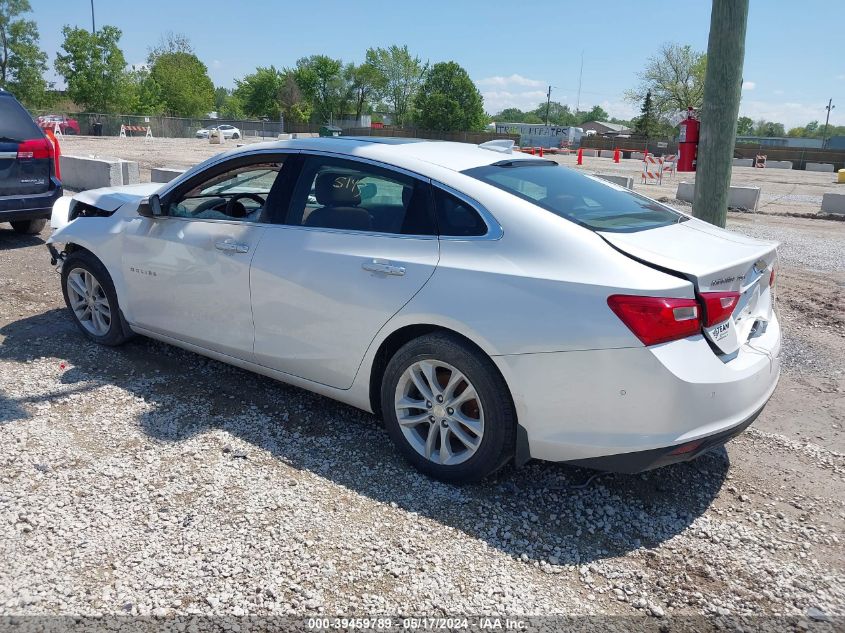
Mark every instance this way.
x=686 y=191
x=739 y=197
x=833 y=203
x=637 y=155
x=778 y=164
x=625 y=181
x=743 y=162
x=130 y=172
x=164 y=174
x=606 y=153
x=819 y=167
x=591 y=152
x=81 y=172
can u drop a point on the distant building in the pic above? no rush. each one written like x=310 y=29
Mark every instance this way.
x=603 y=128
x=781 y=141
x=836 y=142
x=541 y=135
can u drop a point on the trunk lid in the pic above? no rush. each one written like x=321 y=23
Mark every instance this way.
x=714 y=260
x=30 y=172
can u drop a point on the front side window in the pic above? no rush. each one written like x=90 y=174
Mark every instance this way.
x=576 y=197
x=353 y=196
x=237 y=194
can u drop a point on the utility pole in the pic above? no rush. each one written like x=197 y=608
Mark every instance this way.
x=828 y=107
x=93 y=26
x=580 y=76
x=722 y=89
x=549 y=103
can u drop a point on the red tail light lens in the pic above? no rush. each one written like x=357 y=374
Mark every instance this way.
x=772 y=277
x=718 y=306
x=35 y=148
x=656 y=320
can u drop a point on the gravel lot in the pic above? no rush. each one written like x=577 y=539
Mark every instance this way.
x=146 y=480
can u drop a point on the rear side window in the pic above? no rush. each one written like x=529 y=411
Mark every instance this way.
x=15 y=122
x=576 y=197
x=455 y=217
x=355 y=196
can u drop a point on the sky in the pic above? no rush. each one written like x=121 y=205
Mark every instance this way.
x=794 y=58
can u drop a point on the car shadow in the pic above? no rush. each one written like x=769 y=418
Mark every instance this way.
x=10 y=239
x=539 y=512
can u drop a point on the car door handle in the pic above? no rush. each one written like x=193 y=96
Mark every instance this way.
x=384 y=267
x=231 y=246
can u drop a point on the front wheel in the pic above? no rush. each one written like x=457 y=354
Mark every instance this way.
x=90 y=296
x=236 y=136
x=29 y=227
x=447 y=409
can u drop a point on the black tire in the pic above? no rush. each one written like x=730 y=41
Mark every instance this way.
x=29 y=227
x=498 y=439
x=236 y=136
x=118 y=332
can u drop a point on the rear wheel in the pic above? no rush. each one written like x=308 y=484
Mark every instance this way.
x=90 y=297
x=236 y=136
x=447 y=409
x=29 y=227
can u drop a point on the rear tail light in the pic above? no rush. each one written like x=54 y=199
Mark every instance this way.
x=35 y=148
x=657 y=319
x=772 y=277
x=718 y=306
x=689 y=447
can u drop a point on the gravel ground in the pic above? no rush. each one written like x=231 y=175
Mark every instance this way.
x=146 y=480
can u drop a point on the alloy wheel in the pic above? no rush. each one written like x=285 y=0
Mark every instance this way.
x=89 y=302
x=439 y=412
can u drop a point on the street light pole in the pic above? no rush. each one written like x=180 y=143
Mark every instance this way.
x=93 y=26
x=828 y=107
x=548 y=104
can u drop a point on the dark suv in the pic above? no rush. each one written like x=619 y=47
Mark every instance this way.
x=28 y=182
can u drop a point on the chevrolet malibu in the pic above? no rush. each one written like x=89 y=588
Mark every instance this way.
x=489 y=306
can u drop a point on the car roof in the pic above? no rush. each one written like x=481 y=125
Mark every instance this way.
x=408 y=153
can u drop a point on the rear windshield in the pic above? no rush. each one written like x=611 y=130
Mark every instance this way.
x=576 y=197
x=15 y=122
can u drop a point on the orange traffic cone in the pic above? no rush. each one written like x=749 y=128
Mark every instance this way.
x=541 y=152
x=580 y=156
x=532 y=151
x=616 y=153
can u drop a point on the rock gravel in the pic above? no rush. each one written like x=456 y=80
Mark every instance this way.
x=148 y=482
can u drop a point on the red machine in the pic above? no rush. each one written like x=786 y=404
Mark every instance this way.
x=688 y=142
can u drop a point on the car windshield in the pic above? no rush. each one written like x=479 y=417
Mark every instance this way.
x=576 y=197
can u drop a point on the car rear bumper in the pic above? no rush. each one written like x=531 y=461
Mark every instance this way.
x=629 y=409
x=29 y=206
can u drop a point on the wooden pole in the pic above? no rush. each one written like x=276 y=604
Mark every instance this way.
x=722 y=90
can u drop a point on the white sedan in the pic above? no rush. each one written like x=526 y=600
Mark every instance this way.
x=229 y=131
x=489 y=306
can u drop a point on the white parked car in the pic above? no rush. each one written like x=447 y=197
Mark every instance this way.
x=488 y=306
x=229 y=131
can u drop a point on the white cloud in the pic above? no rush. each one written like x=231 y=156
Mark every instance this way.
x=791 y=114
x=842 y=77
x=216 y=64
x=500 y=81
x=778 y=92
x=748 y=85
x=497 y=100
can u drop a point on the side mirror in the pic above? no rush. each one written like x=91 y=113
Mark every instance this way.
x=151 y=207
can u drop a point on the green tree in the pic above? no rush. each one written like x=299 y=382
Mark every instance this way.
x=403 y=75
x=147 y=94
x=597 y=113
x=449 y=100
x=259 y=92
x=94 y=69
x=22 y=62
x=675 y=78
x=367 y=84
x=170 y=42
x=744 y=126
x=646 y=125
x=185 y=85
x=768 y=128
x=510 y=115
x=322 y=83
